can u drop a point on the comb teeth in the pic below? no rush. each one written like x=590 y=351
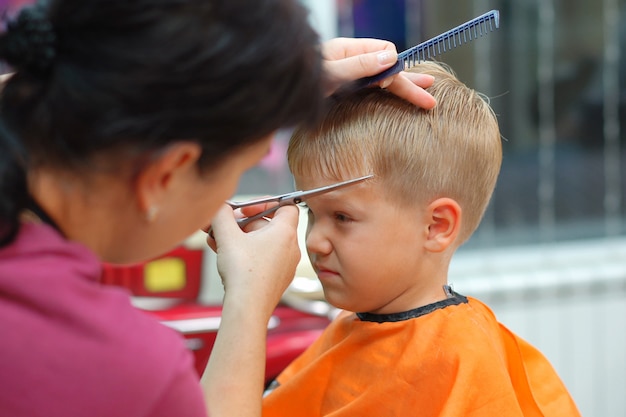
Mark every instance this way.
x=468 y=31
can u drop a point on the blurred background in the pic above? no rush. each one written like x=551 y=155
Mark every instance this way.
x=550 y=255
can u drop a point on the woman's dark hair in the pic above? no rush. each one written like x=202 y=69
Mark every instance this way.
x=94 y=76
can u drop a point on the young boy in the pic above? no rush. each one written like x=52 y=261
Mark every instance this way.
x=406 y=343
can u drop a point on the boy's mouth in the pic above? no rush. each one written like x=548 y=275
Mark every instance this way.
x=323 y=271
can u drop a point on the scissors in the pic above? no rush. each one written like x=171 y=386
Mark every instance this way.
x=292 y=198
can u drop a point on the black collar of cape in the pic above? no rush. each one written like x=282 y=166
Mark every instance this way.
x=454 y=298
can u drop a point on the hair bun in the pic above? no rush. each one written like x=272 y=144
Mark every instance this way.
x=29 y=42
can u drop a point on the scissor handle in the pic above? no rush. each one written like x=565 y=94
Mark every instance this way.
x=243 y=222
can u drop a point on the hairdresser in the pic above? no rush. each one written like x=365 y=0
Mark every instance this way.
x=123 y=128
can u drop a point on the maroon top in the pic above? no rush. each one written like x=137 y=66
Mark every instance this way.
x=70 y=346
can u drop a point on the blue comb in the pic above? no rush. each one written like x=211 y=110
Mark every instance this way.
x=438 y=45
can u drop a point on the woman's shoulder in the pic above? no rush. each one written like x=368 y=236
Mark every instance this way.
x=85 y=342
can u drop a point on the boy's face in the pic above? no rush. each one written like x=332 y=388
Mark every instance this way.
x=366 y=250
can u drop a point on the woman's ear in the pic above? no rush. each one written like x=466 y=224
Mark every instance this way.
x=155 y=180
x=445 y=224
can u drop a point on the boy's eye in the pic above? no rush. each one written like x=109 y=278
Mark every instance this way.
x=341 y=217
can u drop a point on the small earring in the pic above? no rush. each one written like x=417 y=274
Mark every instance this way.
x=152 y=214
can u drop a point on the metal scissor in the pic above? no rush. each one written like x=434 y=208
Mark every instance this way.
x=292 y=198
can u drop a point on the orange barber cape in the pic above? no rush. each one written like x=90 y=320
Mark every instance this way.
x=450 y=358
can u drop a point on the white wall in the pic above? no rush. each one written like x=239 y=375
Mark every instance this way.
x=323 y=17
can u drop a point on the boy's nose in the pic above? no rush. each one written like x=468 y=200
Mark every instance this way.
x=316 y=241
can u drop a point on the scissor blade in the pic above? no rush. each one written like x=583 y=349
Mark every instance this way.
x=298 y=196
x=295 y=197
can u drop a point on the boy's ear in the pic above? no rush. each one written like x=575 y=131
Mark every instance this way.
x=445 y=224
x=156 y=178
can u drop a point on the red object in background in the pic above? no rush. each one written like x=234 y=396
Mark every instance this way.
x=177 y=276
x=290 y=332
x=198 y=324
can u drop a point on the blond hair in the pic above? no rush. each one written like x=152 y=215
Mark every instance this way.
x=453 y=150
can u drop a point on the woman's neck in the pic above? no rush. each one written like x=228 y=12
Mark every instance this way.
x=81 y=210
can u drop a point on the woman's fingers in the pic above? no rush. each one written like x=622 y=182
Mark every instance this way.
x=347 y=60
x=410 y=86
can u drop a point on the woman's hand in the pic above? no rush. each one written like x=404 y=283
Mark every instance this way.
x=258 y=263
x=256 y=267
x=347 y=59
